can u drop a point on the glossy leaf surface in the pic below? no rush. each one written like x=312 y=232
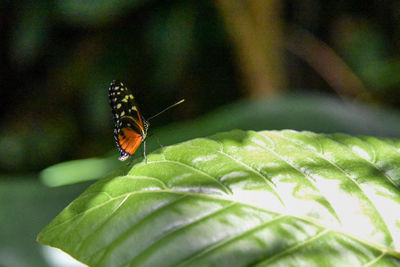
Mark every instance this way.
x=241 y=198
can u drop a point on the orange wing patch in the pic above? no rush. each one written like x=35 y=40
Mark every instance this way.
x=129 y=141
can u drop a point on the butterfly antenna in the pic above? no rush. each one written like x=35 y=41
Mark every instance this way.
x=177 y=103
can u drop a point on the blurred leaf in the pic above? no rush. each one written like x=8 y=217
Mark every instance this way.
x=170 y=37
x=97 y=11
x=77 y=171
x=30 y=34
x=364 y=43
x=26 y=207
x=44 y=139
x=384 y=73
x=12 y=147
x=299 y=112
x=316 y=113
x=366 y=50
x=243 y=198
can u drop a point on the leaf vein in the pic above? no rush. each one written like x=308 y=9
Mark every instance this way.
x=216 y=197
x=182 y=228
x=308 y=178
x=371 y=163
x=258 y=173
x=373 y=261
x=292 y=248
x=348 y=176
x=226 y=189
x=226 y=241
x=146 y=178
x=124 y=235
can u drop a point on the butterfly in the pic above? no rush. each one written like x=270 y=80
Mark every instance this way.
x=130 y=127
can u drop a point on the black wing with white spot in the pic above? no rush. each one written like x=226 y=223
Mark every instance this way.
x=129 y=124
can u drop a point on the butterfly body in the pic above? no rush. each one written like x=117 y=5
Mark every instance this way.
x=130 y=128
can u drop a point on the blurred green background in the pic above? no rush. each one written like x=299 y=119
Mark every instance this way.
x=325 y=66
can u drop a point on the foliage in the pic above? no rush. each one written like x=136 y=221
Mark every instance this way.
x=240 y=198
x=59 y=56
x=316 y=113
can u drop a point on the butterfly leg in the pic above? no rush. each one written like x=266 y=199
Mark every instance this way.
x=144 y=151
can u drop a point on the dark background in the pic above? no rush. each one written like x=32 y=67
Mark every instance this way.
x=326 y=66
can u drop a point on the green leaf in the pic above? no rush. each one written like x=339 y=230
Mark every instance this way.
x=243 y=198
x=302 y=112
x=26 y=206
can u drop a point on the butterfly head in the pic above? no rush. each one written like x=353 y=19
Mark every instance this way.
x=146 y=125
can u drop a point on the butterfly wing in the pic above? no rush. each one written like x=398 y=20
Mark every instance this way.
x=130 y=128
x=128 y=142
